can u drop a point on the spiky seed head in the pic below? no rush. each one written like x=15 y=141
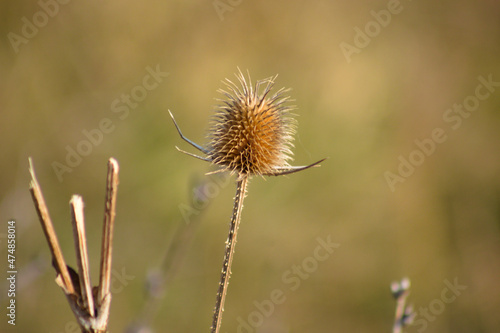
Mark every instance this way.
x=252 y=131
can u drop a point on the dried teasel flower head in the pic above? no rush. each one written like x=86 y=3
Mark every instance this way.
x=251 y=134
x=252 y=130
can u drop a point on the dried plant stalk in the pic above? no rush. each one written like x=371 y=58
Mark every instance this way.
x=241 y=188
x=107 y=230
x=404 y=314
x=91 y=314
x=82 y=261
x=50 y=234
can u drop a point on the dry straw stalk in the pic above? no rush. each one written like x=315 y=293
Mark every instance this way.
x=90 y=309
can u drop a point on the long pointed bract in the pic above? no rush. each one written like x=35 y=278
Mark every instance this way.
x=293 y=169
x=197 y=146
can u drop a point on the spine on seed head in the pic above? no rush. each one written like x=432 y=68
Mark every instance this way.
x=252 y=130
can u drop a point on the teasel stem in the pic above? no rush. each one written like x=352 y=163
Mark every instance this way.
x=241 y=188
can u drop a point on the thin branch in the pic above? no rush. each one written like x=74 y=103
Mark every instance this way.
x=159 y=278
x=50 y=234
x=229 y=253
x=400 y=308
x=404 y=314
x=82 y=260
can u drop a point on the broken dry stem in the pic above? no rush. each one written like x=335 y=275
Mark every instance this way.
x=80 y=239
x=92 y=314
x=107 y=230
x=50 y=234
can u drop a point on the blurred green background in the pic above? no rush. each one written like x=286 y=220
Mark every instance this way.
x=365 y=111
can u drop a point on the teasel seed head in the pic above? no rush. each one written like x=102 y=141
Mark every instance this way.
x=252 y=130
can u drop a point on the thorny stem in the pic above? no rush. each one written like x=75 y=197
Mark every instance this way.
x=241 y=187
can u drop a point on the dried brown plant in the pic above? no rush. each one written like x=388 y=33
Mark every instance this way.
x=90 y=305
x=250 y=134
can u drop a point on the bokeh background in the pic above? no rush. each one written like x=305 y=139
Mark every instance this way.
x=441 y=224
